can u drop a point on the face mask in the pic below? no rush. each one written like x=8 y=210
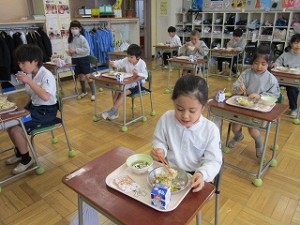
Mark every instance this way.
x=75 y=32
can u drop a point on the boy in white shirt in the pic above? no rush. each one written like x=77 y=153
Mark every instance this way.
x=174 y=40
x=132 y=64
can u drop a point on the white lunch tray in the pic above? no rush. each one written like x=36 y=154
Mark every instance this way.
x=256 y=107
x=143 y=195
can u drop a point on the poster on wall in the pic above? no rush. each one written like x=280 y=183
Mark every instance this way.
x=291 y=3
x=57 y=13
x=163 y=8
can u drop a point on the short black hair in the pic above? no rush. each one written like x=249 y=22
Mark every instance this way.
x=195 y=33
x=30 y=53
x=135 y=50
x=191 y=85
x=295 y=38
x=171 y=29
x=238 y=32
x=263 y=51
x=74 y=23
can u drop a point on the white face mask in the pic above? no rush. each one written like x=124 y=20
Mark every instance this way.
x=75 y=32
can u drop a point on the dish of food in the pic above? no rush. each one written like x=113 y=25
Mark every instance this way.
x=3 y=99
x=139 y=163
x=244 y=101
x=281 y=68
x=7 y=105
x=177 y=180
x=294 y=70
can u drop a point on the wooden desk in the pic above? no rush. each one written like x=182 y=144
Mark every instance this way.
x=180 y=64
x=254 y=119
x=114 y=85
x=165 y=48
x=57 y=71
x=11 y=119
x=288 y=79
x=225 y=54
x=91 y=188
x=117 y=55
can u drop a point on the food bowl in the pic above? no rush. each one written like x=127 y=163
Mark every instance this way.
x=139 y=163
x=229 y=49
x=268 y=100
x=244 y=101
x=161 y=175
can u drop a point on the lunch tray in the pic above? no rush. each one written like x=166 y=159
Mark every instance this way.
x=143 y=195
x=286 y=71
x=114 y=76
x=259 y=107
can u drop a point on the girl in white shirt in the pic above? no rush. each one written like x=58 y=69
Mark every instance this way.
x=186 y=138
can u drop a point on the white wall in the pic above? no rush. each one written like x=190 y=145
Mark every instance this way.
x=11 y=10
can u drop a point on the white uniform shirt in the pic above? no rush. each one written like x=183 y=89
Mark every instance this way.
x=140 y=66
x=45 y=79
x=197 y=148
x=175 y=41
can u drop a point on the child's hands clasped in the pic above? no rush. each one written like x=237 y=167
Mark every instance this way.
x=21 y=76
x=72 y=50
x=135 y=72
x=197 y=182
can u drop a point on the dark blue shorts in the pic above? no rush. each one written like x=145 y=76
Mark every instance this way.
x=41 y=116
x=135 y=90
x=83 y=65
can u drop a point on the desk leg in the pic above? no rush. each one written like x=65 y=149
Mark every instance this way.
x=142 y=103
x=275 y=146
x=231 y=65
x=124 y=127
x=168 y=89
x=198 y=218
x=80 y=210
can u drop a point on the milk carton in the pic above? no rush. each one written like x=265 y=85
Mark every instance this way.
x=160 y=196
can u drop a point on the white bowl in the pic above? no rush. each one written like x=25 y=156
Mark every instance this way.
x=268 y=100
x=139 y=163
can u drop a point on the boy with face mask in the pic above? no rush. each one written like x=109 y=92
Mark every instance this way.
x=79 y=50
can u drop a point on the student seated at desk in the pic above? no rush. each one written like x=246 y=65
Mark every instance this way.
x=195 y=47
x=132 y=64
x=254 y=82
x=41 y=86
x=174 y=40
x=291 y=58
x=236 y=43
x=185 y=137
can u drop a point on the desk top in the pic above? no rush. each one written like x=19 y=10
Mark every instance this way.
x=232 y=51
x=273 y=115
x=13 y=115
x=286 y=75
x=126 y=81
x=124 y=210
x=184 y=61
x=52 y=66
x=118 y=54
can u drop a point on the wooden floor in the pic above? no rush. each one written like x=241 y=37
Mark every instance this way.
x=43 y=199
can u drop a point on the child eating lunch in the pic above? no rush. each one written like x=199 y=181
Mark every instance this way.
x=185 y=137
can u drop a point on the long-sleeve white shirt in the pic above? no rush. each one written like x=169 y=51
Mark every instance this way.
x=197 y=148
x=140 y=66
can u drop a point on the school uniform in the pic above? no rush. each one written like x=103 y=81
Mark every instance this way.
x=197 y=148
x=43 y=113
x=200 y=53
x=174 y=41
x=140 y=66
x=291 y=60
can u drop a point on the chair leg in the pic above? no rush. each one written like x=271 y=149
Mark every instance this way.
x=152 y=113
x=132 y=107
x=198 y=218
x=71 y=152
x=217 y=204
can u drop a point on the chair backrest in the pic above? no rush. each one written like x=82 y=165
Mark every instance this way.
x=149 y=80
x=94 y=62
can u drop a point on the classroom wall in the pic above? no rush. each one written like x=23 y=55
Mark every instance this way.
x=13 y=10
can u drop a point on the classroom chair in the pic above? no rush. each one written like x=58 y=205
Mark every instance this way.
x=95 y=67
x=58 y=124
x=145 y=91
x=217 y=184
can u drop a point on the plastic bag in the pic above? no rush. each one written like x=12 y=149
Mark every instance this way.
x=90 y=216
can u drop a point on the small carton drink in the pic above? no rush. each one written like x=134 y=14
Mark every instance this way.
x=160 y=196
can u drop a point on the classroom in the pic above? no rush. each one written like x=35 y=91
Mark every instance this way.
x=181 y=112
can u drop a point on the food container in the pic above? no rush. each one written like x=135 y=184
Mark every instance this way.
x=139 y=163
x=162 y=176
x=268 y=100
x=160 y=196
x=191 y=48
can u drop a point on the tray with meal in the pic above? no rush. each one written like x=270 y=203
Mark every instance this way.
x=283 y=69
x=6 y=106
x=265 y=104
x=141 y=186
x=113 y=74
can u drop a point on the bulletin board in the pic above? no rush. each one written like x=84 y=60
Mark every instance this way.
x=57 y=13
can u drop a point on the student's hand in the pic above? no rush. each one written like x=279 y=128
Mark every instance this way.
x=112 y=63
x=197 y=182
x=21 y=76
x=72 y=50
x=155 y=152
x=135 y=72
x=242 y=88
x=273 y=65
x=254 y=96
x=188 y=43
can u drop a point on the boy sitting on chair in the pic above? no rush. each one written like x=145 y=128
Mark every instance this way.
x=41 y=86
